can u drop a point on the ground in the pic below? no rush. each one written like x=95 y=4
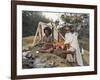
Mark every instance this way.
x=48 y=59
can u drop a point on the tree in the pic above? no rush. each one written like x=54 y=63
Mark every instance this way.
x=30 y=20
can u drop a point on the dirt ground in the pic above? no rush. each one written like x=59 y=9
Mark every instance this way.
x=27 y=42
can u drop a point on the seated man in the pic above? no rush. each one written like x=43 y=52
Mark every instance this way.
x=47 y=41
x=69 y=49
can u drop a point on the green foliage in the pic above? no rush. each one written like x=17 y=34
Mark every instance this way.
x=30 y=22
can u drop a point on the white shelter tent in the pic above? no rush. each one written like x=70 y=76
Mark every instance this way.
x=40 y=32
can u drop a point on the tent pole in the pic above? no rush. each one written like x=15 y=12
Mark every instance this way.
x=35 y=36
